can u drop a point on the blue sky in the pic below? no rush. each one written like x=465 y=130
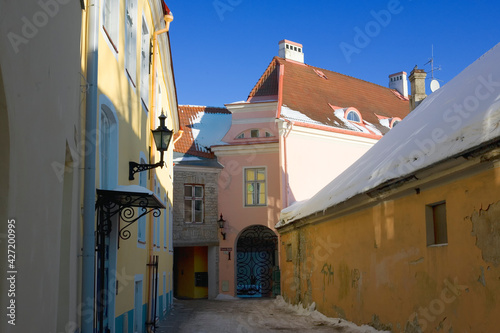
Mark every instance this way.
x=220 y=48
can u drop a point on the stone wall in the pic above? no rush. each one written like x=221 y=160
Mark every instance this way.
x=196 y=234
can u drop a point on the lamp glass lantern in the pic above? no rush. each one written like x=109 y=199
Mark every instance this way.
x=162 y=136
x=221 y=222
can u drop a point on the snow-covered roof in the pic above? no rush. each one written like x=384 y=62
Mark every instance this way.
x=203 y=127
x=463 y=114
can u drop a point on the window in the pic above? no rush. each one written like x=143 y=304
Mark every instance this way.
x=131 y=40
x=165 y=214
x=254 y=133
x=241 y=136
x=141 y=224
x=164 y=293
x=110 y=21
x=435 y=215
x=353 y=116
x=193 y=203
x=145 y=48
x=268 y=135
x=104 y=148
x=255 y=187
x=288 y=252
x=170 y=229
x=157 y=231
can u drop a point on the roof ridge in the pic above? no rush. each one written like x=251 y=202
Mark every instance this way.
x=261 y=79
x=207 y=109
x=352 y=77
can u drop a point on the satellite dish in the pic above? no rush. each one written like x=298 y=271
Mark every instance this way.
x=434 y=85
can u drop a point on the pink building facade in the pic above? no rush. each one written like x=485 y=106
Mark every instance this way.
x=300 y=127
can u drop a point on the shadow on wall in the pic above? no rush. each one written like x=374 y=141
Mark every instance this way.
x=4 y=155
x=4 y=174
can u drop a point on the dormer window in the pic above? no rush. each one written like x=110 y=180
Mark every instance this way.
x=254 y=133
x=394 y=121
x=353 y=116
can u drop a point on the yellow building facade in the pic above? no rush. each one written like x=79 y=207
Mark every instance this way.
x=407 y=238
x=135 y=85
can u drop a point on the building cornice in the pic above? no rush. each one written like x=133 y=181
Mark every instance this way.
x=245 y=149
x=197 y=169
x=252 y=107
x=336 y=135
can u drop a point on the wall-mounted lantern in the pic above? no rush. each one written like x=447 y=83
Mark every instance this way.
x=221 y=222
x=162 y=136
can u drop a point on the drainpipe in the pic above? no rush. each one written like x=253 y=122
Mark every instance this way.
x=89 y=172
x=285 y=136
x=179 y=137
x=153 y=115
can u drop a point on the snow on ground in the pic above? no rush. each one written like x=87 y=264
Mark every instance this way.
x=461 y=115
x=208 y=129
x=227 y=314
x=318 y=317
x=224 y=297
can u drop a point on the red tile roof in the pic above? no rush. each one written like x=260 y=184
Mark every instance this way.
x=312 y=91
x=186 y=144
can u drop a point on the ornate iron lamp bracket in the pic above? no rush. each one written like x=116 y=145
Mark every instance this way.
x=123 y=204
x=134 y=167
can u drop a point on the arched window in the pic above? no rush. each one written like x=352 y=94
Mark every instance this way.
x=394 y=121
x=108 y=146
x=353 y=116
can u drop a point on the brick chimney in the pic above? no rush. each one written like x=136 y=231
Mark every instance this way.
x=417 y=83
x=291 y=50
x=398 y=81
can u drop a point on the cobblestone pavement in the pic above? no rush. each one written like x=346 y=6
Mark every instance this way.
x=247 y=316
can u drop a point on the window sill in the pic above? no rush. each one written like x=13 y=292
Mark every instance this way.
x=438 y=245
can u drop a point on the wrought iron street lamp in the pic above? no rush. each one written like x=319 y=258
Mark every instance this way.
x=221 y=226
x=162 y=136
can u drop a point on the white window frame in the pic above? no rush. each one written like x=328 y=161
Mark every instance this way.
x=108 y=136
x=110 y=23
x=145 y=64
x=245 y=182
x=193 y=198
x=131 y=41
x=141 y=223
x=158 y=225
x=170 y=228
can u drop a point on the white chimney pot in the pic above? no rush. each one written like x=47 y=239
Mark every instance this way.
x=291 y=50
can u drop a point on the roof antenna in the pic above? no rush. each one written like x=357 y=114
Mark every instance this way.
x=434 y=82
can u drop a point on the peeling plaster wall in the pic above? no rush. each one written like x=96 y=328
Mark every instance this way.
x=374 y=266
x=486 y=228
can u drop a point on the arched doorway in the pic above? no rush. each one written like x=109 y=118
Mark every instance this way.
x=256 y=260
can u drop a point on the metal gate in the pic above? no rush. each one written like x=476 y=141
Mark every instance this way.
x=256 y=261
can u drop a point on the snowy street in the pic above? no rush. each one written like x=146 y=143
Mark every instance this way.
x=250 y=316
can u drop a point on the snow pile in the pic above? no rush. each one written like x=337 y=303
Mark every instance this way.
x=461 y=115
x=224 y=297
x=320 y=318
x=208 y=129
x=187 y=159
x=386 y=122
x=288 y=113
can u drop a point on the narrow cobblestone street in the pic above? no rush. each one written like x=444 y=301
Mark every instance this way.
x=249 y=316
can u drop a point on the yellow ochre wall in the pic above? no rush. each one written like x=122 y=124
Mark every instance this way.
x=374 y=266
x=191 y=260
x=135 y=137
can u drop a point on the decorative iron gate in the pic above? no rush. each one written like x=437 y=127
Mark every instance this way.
x=256 y=260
